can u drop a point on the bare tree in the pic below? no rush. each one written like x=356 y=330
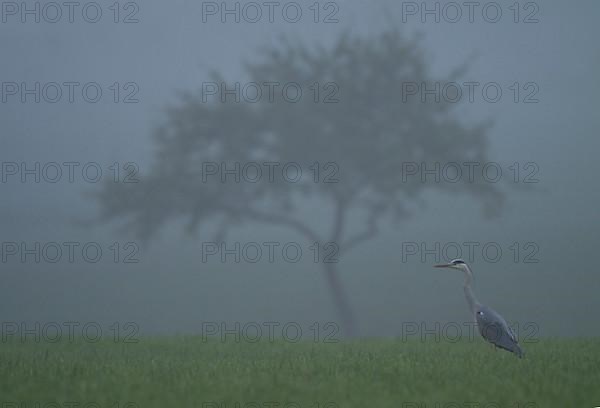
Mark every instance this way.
x=354 y=121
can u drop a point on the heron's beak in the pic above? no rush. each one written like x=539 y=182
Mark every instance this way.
x=442 y=266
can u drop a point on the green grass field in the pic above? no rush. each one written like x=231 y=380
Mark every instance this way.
x=187 y=372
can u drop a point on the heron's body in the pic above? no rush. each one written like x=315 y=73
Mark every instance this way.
x=491 y=325
x=494 y=329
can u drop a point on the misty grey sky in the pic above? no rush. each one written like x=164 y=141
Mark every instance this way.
x=171 y=50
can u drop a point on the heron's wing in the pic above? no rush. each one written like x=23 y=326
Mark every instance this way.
x=494 y=318
x=494 y=329
x=511 y=333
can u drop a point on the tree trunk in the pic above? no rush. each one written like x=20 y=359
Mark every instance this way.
x=340 y=300
x=331 y=273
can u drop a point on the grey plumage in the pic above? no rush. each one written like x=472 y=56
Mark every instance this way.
x=494 y=329
x=491 y=325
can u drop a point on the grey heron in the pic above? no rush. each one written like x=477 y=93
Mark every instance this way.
x=492 y=327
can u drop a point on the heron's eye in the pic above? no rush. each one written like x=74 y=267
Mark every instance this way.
x=480 y=313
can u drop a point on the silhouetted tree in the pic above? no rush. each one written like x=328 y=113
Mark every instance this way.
x=369 y=135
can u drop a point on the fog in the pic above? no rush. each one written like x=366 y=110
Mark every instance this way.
x=161 y=121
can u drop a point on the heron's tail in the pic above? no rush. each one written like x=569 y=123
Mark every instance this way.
x=519 y=351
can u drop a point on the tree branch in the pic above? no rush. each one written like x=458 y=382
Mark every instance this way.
x=279 y=219
x=338 y=220
x=370 y=232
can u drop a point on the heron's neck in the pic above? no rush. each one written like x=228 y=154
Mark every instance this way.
x=471 y=299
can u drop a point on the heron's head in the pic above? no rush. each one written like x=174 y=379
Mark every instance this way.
x=455 y=264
